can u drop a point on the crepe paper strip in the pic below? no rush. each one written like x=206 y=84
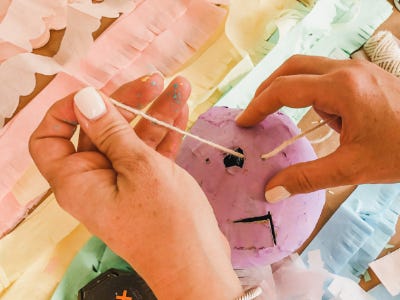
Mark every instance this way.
x=8 y=50
x=205 y=74
x=14 y=155
x=289 y=278
x=337 y=252
x=221 y=2
x=38 y=235
x=161 y=37
x=221 y=61
x=105 y=8
x=13 y=27
x=83 y=18
x=387 y=269
x=40 y=279
x=295 y=281
x=249 y=29
x=44 y=15
x=382 y=215
x=124 y=42
x=210 y=69
x=380 y=293
x=343 y=288
x=12 y=212
x=199 y=106
x=389 y=246
x=3 y=8
x=17 y=76
x=77 y=39
x=215 y=72
x=362 y=226
x=336 y=287
x=366 y=276
x=316 y=34
x=25 y=195
x=30 y=185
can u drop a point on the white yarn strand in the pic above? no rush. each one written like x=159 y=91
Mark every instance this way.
x=383 y=50
x=251 y=294
x=169 y=126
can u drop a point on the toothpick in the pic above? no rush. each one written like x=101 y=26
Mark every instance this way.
x=169 y=126
x=293 y=139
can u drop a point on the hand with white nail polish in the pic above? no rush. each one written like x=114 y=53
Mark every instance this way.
x=365 y=102
x=123 y=186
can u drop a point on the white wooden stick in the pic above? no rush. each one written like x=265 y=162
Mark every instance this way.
x=169 y=126
x=293 y=139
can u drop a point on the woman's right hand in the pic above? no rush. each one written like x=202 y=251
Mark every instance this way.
x=365 y=102
x=122 y=184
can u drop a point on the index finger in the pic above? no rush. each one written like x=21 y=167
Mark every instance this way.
x=260 y=107
x=50 y=142
x=294 y=91
x=300 y=64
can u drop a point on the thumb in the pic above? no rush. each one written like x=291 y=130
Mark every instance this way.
x=338 y=168
x=104 y=125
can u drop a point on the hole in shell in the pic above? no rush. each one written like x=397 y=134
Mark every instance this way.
x=232 y=160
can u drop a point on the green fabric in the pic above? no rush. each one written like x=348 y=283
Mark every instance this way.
x=94 y=259
x=334 y=28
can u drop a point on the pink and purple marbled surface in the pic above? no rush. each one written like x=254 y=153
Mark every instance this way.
x=236 y=193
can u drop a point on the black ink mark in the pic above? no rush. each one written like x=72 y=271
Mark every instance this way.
x=253 y=219
x=272 y=227
x=267 y=217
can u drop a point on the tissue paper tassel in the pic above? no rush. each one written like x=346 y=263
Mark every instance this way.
x=157 y=36
x=26 y=25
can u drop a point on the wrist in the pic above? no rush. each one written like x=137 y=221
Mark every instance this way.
x=190 y=274
x=198 y=281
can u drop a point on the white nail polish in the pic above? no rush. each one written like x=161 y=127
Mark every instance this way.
x=276 y=194
x=90 y=103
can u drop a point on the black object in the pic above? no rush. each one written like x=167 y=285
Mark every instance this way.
x=232 y=160
x=267 y=217
x=116 y=285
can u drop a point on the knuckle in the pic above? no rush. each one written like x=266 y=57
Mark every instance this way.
x=138 y=163
x=109 y=133
x=303 y=182
x=278 y=81
x=345 y=174
x=350 y=79
x=294 y=60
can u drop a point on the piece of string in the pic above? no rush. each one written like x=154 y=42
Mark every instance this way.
x=324 y=138
x=383 y=50
x=169 y=126
x=295 y=138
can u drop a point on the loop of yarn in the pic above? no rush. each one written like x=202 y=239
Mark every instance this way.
x=383 y=50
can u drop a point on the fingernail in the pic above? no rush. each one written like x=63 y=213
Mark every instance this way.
x=90 y=103
x=276 y=194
